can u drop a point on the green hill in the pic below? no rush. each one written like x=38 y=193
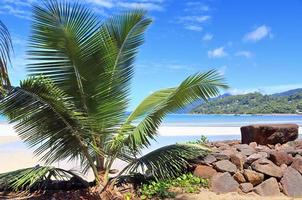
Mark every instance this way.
x=253 y=103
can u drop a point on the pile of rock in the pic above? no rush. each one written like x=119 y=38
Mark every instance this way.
x=264 y=169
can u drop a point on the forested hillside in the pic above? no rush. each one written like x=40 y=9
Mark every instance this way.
x=253 y=103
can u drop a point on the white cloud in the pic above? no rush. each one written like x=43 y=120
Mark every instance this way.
x=246 y=54
x=194 y=19
x=143 y=5
x=102 y=3
x=196 y=7
x=155 y=5
x=217 y=53
x=194 y=22
x=266 y=89
x=193 y=28
x=258 y=34
x=207 y=37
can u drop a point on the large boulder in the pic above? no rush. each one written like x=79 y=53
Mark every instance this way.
x=223 y=183
x=292 y=182
x=269 y=133
x=269 y=187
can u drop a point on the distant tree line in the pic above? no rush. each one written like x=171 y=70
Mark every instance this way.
x=252 y=103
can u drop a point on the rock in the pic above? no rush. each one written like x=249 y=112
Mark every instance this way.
x=283 y=167
x=229 y=152
x=253 y=177
x=209 y=159
x=238 y=176
x=267 y=167
x=245 y=149
x=204 y=171
x=280 y=157
x=269 y=133
x=292 y=182
x=223 y=183
x=238 y=159
x=225 y=166
x=253 y=145
x=269 y=187
x=263 y=148
x=246 y=187
x=256 y=156
x=220 y=156
x=297 y=164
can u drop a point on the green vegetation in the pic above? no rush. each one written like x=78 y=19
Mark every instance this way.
x=73 y=104
x=36 y=178
x=202 y=141
x=253 y=103
x=187 y=183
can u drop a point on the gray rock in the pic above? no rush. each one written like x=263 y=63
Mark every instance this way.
x=256 y=156
x=225 y=166
x=253 y=177
x=292 y=182
x=220 y=156
x=245 y=149
x=246 y=187
x=267 y=167
x=269 y=187
x=209 y=159
x=223 y=183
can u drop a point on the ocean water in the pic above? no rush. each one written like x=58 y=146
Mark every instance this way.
x=188 y=120
x=228 y=120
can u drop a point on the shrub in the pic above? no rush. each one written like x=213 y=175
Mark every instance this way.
x=187 y=183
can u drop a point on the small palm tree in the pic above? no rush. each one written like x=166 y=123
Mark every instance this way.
x=73 y=105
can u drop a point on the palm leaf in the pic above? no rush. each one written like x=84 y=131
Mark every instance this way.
x=34 y=178
x=5 y=51
x=46 y=119
x=121 y=36
x=198 y=86
x=60 y=32
x=168 y=161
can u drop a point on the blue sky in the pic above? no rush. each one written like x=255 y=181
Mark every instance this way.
x=256 y=44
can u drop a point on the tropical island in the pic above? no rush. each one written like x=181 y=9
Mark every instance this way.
x=289 y=102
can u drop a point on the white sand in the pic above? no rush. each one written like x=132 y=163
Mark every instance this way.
x=19 y=158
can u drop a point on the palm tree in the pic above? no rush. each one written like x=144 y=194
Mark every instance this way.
x=73 y=105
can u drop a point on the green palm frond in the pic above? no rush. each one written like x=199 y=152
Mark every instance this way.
x=5 y=51
x=198 y=86
x=60 y=32
x=45 y=119
x=35 y=178
x=168 y=161
x=122 y=35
